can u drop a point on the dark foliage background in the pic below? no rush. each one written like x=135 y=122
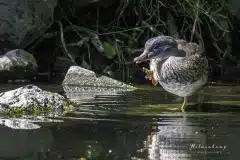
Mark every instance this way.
x=123 y=26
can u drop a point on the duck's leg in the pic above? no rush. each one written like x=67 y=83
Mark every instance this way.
x=150 y=76
x=184 y=104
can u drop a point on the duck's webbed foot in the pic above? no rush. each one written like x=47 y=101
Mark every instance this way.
x=149 y=75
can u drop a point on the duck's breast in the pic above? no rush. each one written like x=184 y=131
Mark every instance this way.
x=182 y=89
x=180 y=76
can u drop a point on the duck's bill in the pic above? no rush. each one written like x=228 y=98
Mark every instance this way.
x=142 y=58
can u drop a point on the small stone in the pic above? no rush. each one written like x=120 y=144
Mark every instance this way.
x=30 y=95
x=79 y=76
x=16 y=64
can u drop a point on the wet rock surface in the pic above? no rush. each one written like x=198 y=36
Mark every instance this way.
x=79 y=76
x=17 y=63
x=30 y=95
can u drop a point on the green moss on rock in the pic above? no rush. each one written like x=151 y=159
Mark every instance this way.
x=35 y=110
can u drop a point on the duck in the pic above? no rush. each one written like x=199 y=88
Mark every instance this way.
x=180 y=67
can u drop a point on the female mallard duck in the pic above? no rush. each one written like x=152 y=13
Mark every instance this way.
x=180 y=67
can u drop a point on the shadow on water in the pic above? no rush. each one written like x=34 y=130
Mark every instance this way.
x=139 y=125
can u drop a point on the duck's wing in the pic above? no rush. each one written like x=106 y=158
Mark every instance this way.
x=183 y=69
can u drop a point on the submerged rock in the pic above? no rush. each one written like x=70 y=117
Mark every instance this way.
x=17 y=63
x=79 y=76
x=30 y=95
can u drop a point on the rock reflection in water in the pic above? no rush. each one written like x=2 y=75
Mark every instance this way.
x=83 y=94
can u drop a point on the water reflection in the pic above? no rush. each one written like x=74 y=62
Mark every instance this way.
x=22 y=144
x=139 y=125
x=156 y=138
x=27 y=122
x=170 y=137
x=195 y=137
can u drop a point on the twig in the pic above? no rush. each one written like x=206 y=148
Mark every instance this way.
x=127 y=30
x=199 y=36
x=228 y=49
x=79 y=35
x=200 y=39
x=81 y=29
x=195 y=22
x=152 y=28
x=79 y=43
x=63 y=42
x=89 y=54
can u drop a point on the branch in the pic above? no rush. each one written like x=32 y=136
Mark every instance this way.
x=79 y=43
x=63 y=42
x=195 y=22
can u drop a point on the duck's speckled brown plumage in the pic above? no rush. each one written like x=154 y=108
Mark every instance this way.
x=182 y=70
x=182 y=75
x=180 y=67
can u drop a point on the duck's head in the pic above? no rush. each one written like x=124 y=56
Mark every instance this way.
x=158 y=47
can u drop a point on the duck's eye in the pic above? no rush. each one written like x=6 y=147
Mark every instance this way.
x=156 y=47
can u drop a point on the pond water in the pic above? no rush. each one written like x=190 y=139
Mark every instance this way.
x=140 y=125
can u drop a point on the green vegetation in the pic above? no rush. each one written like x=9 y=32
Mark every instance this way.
x=37 y=110
x=123 y=35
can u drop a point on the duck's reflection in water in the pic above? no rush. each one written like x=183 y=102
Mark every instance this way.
x=179 y=138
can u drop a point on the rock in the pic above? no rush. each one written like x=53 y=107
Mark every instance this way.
x=24 y=21
x=79 y=76
x=234 y=8
x=62 y=64
x=30 y=95
x=17 y=64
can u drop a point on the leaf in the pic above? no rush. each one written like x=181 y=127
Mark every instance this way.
x=109 y=50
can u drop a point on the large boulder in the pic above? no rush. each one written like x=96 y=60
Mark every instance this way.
x=17 y=64
x=234 y=8
x=28 y=96
x=24 y=21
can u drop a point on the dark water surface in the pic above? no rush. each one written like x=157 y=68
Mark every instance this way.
x=140 y=125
